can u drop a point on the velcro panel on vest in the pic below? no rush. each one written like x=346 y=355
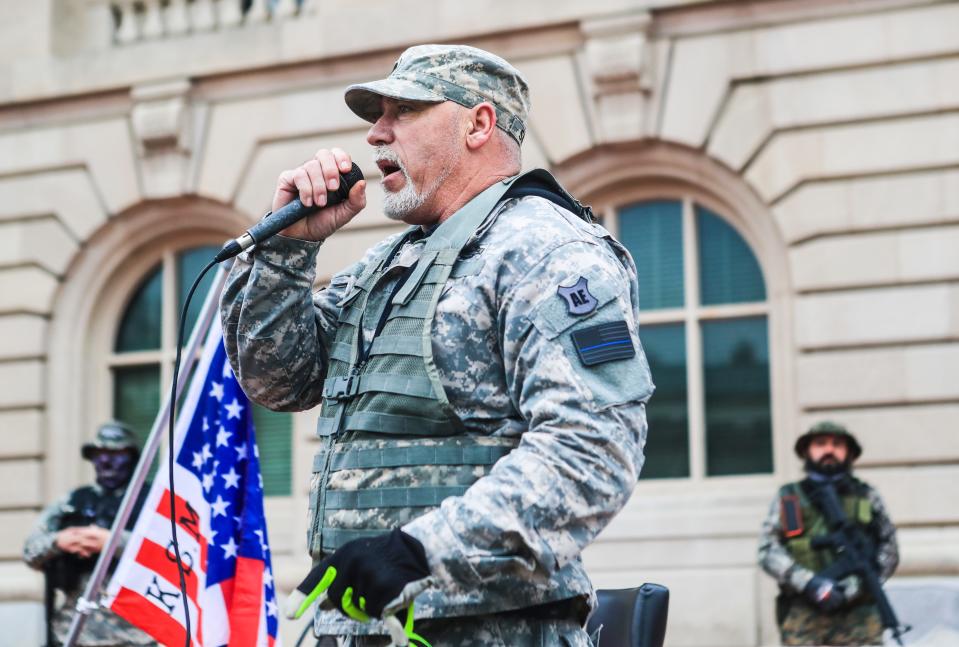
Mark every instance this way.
x=791 y=516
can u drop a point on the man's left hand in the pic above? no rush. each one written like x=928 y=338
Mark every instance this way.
x=851 y=587
x=366 y=576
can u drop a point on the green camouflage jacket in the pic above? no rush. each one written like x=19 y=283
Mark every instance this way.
x=775 y=558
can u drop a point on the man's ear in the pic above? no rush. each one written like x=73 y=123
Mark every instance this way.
x=480 y=126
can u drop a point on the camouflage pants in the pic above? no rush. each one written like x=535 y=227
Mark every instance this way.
x=806 y=625
x=482 y=631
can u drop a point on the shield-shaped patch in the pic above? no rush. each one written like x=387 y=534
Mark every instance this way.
x=577 y=297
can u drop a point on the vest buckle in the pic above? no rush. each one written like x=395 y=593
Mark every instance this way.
x=340 y=388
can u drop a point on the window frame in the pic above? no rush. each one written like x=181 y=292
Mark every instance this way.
x=617 y=174
x=693 y=314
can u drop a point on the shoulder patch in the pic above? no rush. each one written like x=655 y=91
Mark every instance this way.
x=603 y=343
x=578 y=299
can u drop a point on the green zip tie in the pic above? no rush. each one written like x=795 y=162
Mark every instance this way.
x=323 y=585
x=351 y=609
x=408 y=628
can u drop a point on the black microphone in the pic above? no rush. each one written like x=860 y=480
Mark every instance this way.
x=286 y=215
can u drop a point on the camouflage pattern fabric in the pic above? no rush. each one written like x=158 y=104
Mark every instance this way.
x=465 y=75
x=103 y=628
x=806 y=625
x=775 y=559
x=503 y=348
x=482 y=631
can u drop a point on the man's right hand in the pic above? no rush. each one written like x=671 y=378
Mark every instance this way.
x=310 y=182
x=84 y=541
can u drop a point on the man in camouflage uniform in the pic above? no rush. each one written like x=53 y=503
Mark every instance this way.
x=813 y=609
x=70 y=534
x=481 y=376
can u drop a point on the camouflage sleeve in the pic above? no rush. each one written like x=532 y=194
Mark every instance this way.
x=578 y=461
x=274 y=331
x=40 y=545
x=887 y=549
x=775 y=559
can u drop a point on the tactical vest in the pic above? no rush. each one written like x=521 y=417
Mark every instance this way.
x=393 y=448
x=799 y=530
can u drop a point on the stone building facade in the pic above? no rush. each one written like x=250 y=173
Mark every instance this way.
x=810 y=147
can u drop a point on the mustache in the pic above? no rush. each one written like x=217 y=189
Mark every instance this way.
x=384 y=153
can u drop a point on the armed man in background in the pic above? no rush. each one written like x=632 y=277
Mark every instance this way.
x=70 y=534
x=813 y=608
x=481 y=376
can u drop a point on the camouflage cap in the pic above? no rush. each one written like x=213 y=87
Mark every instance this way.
x=459 y=73
x=112 y=435
x=828 y=427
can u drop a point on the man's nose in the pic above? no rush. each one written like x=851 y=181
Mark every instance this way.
x=380 y=132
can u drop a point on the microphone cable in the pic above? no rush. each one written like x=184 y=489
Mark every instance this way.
x=271 y=224
x=170 y=439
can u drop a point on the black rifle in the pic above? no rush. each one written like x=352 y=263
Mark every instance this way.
x=854 y=553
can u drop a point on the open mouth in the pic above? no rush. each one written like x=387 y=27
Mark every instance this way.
x=387 y=168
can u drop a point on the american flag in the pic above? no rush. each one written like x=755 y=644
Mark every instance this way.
x=221 y=529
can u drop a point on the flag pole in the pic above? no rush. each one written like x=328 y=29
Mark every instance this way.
x=90 y=598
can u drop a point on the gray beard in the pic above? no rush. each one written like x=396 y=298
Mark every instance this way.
x=397 y=205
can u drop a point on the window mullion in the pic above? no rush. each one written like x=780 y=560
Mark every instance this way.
x=170 y=319
x=694 y=346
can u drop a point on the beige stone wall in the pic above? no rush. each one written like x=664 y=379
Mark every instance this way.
x=829 y=132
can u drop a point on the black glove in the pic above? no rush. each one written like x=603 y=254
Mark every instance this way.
x=363 y=576
x=825 y=593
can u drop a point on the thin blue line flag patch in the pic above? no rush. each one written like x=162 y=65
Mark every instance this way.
x=603 y=343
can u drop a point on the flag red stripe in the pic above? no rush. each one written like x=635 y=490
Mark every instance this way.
x=182 y=515
x=247 y=603
x=163 y=563
x=149 y=617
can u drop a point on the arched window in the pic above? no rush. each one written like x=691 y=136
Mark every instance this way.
x=703 y=324
x=144 y=349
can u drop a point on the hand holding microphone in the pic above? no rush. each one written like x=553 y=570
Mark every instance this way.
x=311 y=202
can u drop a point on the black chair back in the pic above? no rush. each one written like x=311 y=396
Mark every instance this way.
x=631 y=617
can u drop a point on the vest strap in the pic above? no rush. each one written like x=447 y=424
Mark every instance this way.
x=457 y=229
x=391 y=497
x=334 y=538
x=416 y=278
x=396 y=345
x=351 y=314
x=340 y=351
x=452 y=453
x=415 y=310
x=396 y=424
x=345 y=386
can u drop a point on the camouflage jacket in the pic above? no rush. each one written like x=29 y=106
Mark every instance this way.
x=102 y=627
x=775 y=558
x=502 y=342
